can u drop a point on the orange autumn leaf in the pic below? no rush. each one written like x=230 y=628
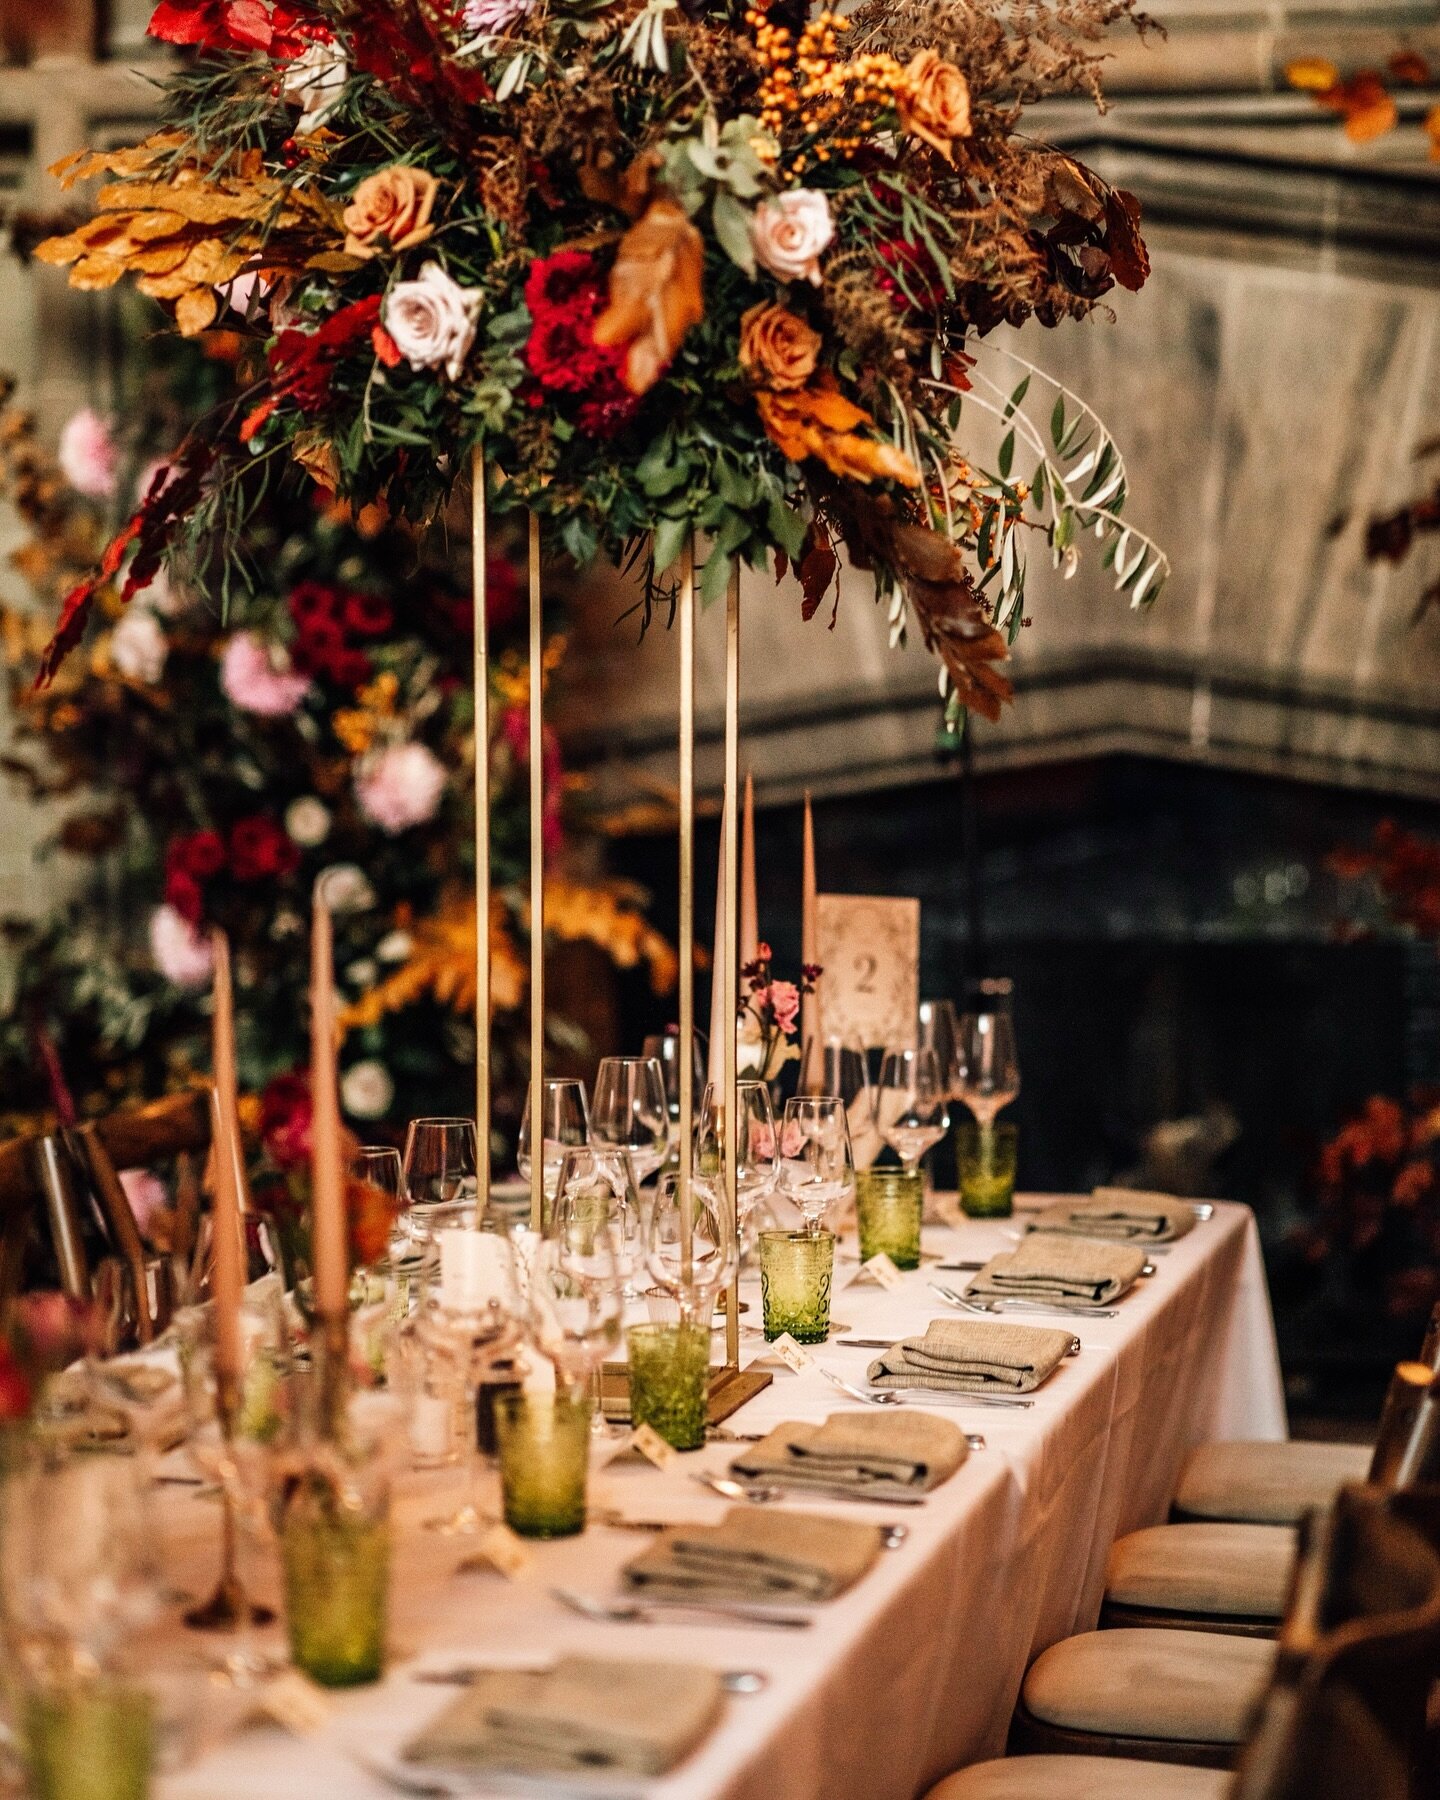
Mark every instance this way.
x=1363 y=103
x=819 y=421
x=655 y=292
x=1432 y=131
x=1312 y=74
x=1409 y=68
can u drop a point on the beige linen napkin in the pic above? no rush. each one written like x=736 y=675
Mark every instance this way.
x=973 y=1356
x=1121 y=1213
x=858 y=1453
x=638 y=1717
x=1047 y=1265
x=755 y=1554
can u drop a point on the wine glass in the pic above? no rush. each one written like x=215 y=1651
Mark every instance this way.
x=565 y=1125
x=440 y=1181
x=597 y=1186
x=910 y=1105
x=690 y=1262
x=817 y=1165
x=630 y=1111
x=989 y=1068
x=664 y=1048
x=938 y=1029
x=576 y=1300
x=839 y=1066
x=380 y=1166
x=756 y=1150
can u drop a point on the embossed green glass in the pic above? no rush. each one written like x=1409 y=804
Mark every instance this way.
x=670 y=1381
x=987 y=1156
x=796 y=1270
x=91 y=1740
x=888 y=1204
x=544 y=1444
x=337 y=1583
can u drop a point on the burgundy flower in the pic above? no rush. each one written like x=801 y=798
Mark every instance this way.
x=368 y=615
x=202 y=854
x=285 y=1116
x=311 y=600
x=260 y=849
x=184 y=893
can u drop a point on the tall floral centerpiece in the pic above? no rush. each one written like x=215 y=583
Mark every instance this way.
x=668 y=267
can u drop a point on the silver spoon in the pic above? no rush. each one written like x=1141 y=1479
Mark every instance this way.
x=870 y=1396
x=659 y=1612
x=763 y=1493
x=998 y=1307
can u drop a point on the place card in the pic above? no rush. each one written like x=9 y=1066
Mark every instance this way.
x=880 y=1268
x=501 y=1550
x=869 y=948
x=794 y=1356
x=295 y=1702
x=648 y=1441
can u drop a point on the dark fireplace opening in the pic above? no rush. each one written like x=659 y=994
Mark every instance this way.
x=1188 y=1012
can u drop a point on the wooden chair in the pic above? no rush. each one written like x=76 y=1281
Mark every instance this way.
x=62 y=1188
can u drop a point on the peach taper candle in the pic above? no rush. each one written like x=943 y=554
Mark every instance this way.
x=327 y=1180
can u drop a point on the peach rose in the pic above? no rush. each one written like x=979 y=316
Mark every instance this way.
x=935 y=106
x=778 y=349
x=393 y=204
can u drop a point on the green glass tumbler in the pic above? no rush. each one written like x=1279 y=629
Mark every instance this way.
x=987 y=1156
x=336 y=1560
x=544 y=1442
x=670 y=1381
x=93 y=1740
x=796 y=1269
x=888 y=1204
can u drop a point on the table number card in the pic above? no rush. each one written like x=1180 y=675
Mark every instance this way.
x=869 y=947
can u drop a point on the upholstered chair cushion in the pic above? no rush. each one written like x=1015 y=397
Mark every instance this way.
x=1198 y=1687
x=1266 y=1484
x=1081 y=1778
x=1229 y=1571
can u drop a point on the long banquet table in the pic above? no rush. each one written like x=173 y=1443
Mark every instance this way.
x=915 y=1670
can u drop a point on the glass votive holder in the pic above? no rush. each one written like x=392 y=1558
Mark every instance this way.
x=670 y=1381
x=888 y=1204
x=796 y=1270
x=335 y=1553
x=89 y=1739
x=544 y=1442
x=987 y=1155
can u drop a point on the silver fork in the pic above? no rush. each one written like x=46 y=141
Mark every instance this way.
x=996 y=1308
x=763 y=1493
x=659 y=1612
x=922 y=1396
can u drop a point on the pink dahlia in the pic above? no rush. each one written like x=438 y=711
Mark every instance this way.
x=88 y=458
x=252 y=682
x=400 y=786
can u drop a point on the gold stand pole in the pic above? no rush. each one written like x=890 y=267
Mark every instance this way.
x=537 y=886
x=730 y=974
x=482 y=839
x=687 y=896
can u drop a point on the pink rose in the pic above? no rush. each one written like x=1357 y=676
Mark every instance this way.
x=789 y=232
x=432 y=320
x=400 y=786
x=253 y=681
x=87 y=455
x=182 y=954
x=785 y=1003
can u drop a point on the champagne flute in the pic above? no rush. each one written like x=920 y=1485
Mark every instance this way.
x=630 y=1111
x=989 y=1067
x=910 y=1106
x=817 y=1165
x=565 y=1125
x=691 y=1264
x=838 y=1065
x=756 y=1150
x=440 y=1180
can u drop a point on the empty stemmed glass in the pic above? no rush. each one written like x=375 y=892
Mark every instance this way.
x=938 y=1029
x=440 y=1180
x=989 y=1067
x=664 y=1048
x=630 y=1111
x=565 y=1126
x=817 y=1165
x=911 y=1109
x=690 y=1260
x=757 y=1156
x=577 y=1303
x=597 y=1186
x=839 y=1066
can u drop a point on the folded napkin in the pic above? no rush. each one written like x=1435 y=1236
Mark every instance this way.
x=877 y=1452
x=584 y=1714
x=755 y=1554
x=1049 y=1265
x=972 y=1356
x=1122 y=1213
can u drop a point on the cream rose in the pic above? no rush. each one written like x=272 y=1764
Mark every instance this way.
x=392 y=205
x=778 y=349
x=935 y=106
x=789 y=232
x=432 y=320
x=313 y=81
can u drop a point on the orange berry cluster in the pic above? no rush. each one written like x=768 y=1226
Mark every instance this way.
x=808 y=92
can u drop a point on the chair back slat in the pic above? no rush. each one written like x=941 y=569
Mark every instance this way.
x=1409 y=1386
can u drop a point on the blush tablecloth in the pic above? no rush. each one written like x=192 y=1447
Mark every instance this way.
x=915 y=1671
